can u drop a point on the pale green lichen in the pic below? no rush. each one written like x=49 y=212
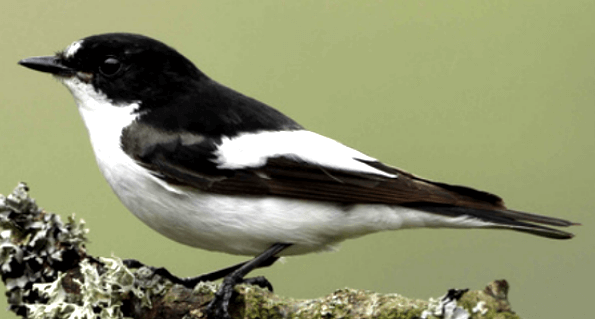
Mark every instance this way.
x=494 y=303
x=100 y=293
x=343 y=303
x=206 y=287
x=480 y=308
x=445 y=307
x=34 y=246
x=39 y=253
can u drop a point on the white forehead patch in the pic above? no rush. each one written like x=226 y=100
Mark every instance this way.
x=71 y=49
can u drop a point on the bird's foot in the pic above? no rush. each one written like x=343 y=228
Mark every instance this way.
x=218 y=308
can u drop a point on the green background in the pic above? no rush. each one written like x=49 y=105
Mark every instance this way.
x=498 y=95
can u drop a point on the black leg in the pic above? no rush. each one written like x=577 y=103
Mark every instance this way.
x=190 y=282
x=218 y=307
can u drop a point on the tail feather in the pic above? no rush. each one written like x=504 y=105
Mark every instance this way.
x=538 y=230
x=552 y=221
x=505 y=219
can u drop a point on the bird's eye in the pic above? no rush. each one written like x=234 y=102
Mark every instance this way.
x=110 y=66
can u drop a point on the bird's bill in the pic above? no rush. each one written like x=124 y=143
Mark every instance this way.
x=48 y=64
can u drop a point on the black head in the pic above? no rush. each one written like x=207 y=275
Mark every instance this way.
x=125 y=67
x=170 y=91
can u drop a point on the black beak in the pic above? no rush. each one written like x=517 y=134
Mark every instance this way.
x=49 y=64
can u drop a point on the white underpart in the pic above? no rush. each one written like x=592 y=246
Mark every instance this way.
x=71 y=49
x=235 y=224
x=253 y=150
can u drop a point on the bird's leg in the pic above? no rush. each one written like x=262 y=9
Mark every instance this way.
x=190 y=282
x=218 y=307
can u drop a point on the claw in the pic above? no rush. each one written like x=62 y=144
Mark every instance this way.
x=218 y=308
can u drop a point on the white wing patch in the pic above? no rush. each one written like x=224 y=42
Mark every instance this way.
x=71 y=49
x=253 y=150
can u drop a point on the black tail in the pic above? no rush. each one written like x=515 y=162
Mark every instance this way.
x=506 y=219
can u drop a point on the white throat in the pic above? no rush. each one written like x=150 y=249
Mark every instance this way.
x=103 y=119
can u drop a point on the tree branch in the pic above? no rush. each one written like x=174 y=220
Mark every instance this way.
x=48 y=274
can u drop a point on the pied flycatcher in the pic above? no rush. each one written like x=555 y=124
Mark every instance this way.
x=212 y=168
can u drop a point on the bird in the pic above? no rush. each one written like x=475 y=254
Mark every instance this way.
x=212 y=168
